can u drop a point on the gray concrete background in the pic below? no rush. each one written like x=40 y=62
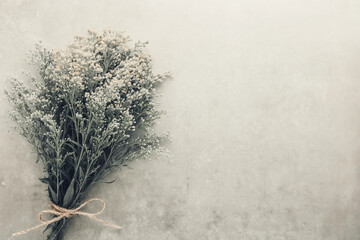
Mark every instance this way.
x=263 y=110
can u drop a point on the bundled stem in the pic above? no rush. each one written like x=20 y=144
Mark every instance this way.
x=89 y=112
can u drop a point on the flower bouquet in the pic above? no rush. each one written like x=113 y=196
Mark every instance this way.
x=89 y=111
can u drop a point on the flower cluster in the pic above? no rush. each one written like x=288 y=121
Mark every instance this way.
x=90 y=113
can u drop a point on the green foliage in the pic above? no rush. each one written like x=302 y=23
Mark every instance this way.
x=89 y=112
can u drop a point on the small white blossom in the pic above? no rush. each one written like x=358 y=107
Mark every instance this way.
x=92 y=110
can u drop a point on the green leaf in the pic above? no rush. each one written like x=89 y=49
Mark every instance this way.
x=44 y=180
x=47 y=227
x=81 y=174
x=53 y=194
x=69 y=194
x=64 y=173
x=61 y=182
x=109 y=182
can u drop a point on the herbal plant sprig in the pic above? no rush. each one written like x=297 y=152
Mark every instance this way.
x=89 y=112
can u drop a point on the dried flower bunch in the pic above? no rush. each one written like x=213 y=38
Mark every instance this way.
x=90 y=111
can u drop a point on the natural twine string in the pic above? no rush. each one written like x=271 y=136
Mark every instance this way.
x=68 y=213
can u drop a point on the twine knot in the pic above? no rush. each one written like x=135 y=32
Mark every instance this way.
x=61 y=212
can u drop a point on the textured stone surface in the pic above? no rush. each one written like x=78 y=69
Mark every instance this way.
x=263 y=110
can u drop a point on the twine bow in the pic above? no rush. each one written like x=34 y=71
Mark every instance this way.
x=68 y=213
